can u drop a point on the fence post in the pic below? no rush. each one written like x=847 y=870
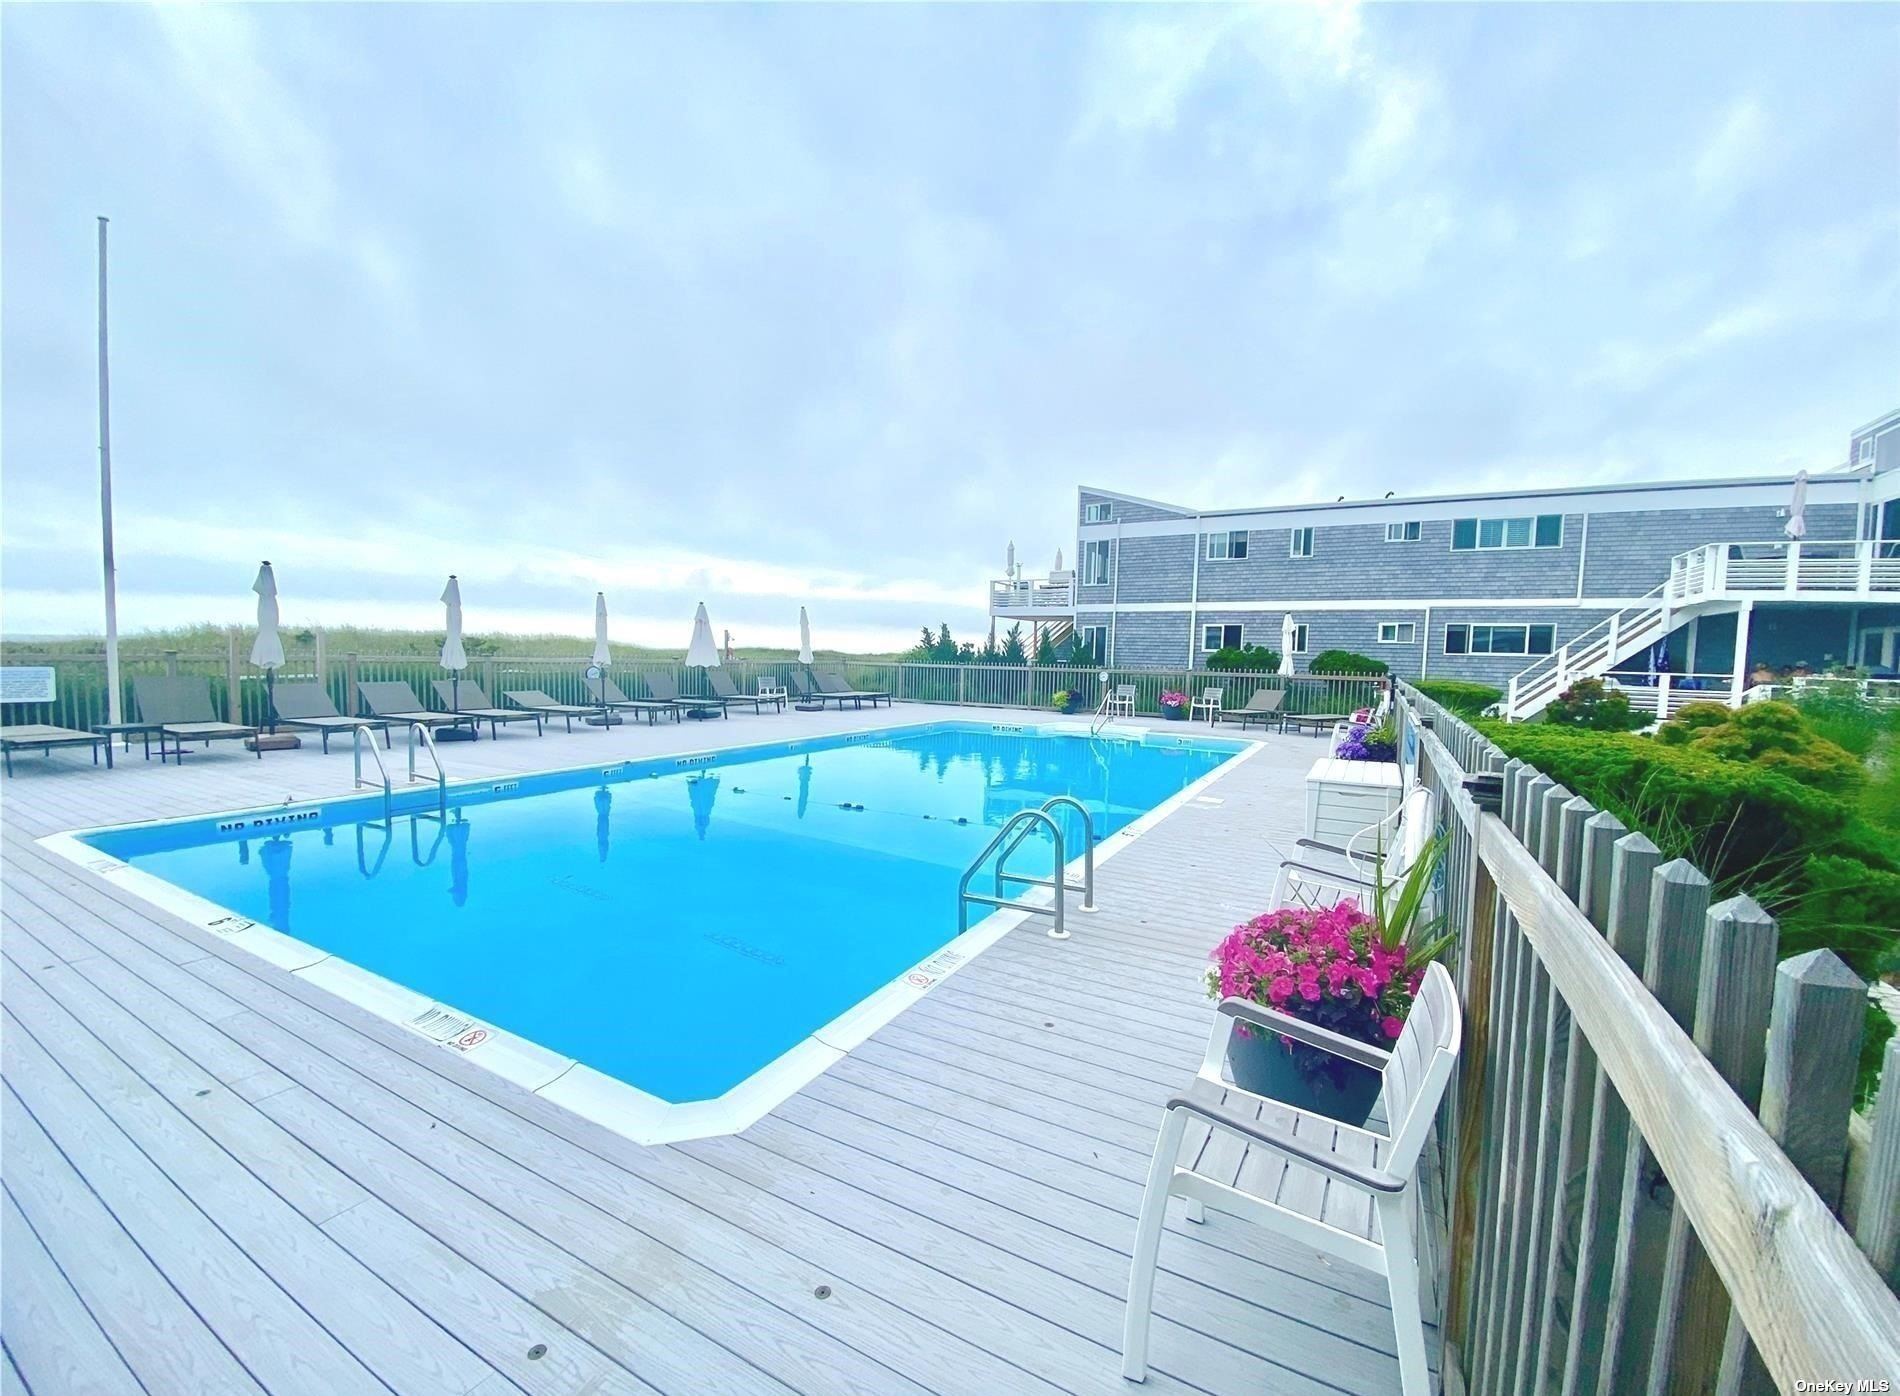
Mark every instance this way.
x=171 y=664
x=322 y=661
x=233 y=701
x=1672 y=966
x=1696 y=1322
x=1813 y=1057
x=1878 y=1229
x=349 y=704
x=961 y=672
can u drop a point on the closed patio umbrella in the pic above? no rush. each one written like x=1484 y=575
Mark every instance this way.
x=701 y=651
x=267 y=651
x=804 y=637
x=1797 y=525
x=603 y=657
x=1058 y=566
x=454 y=657
x=1009 y=561
x=1286 y=643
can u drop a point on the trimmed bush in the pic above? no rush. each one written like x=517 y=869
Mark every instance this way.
x=1346 y=662
x=1464 y=699
x=1773 y=736
x=1246 y=659
x=1588 y=703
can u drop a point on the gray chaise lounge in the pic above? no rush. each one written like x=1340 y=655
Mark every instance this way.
x=535 y=701
x=607 y=693
x=42 y=737
x=468 y=699
x=397 y=701
x=834 y=684
x=182 y=709
x=306 y=707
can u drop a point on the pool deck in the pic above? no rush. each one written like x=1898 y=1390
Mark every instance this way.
x=221 y=1179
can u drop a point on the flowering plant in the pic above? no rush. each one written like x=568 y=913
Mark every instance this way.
x=1171 y=699
x=1369 y=743
x=1337 y=966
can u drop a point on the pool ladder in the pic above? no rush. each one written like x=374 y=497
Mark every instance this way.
x=1021 y=824
x=416 y=731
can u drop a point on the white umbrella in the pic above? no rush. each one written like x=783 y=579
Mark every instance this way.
x=267 y=651
x=454 y=657
x=602 y=655
x=1058 y=566
x=1797 y=525
x=804 y=637
x=1009 y=561
x=702 y=653
x=1286 y=643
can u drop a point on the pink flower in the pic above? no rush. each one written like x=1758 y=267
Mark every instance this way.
x=1392 y=1027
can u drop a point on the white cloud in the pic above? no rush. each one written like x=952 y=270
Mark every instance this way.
x=1738 y=153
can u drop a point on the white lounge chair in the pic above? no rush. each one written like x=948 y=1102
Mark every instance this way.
x=1209 y=703
x=1385 y=850
x=1349 y=1192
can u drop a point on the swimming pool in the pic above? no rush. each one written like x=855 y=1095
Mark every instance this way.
x=669 y=946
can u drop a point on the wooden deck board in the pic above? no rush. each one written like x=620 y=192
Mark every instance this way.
x=218 y=1177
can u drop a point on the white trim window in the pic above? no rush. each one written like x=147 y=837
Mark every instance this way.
x=1525 y=531
x=1407 y=532
x=1500 y=639
x=1095 y=641
x=1098 y=562
x=1227 y=547
x=1299 y=637
x=1220 y=637
x=1398 y=632
x=1098 y=511
x=1301 y=543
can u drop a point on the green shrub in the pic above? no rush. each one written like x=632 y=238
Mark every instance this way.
x=1846 y=719
x=1773 y=736
x=1246 y=659
x=1346 y=662
x=1461 y=698
x=1587 y=703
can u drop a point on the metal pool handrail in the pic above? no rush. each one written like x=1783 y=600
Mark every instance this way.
x=356 y=741
x=965 y=896
x=1087 y=887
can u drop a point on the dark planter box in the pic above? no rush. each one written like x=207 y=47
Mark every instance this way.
x=1265 y=1065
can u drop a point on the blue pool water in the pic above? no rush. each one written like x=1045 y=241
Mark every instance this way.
x=677 y=928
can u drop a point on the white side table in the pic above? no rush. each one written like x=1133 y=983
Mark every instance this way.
x=1343 y=797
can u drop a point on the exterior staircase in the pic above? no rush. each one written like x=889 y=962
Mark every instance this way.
x=1592 y=654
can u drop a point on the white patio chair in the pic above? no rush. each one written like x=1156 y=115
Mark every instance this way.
x=1209 y=702
x=1121 y=701
x=1385 y=850
x=1349 y=1192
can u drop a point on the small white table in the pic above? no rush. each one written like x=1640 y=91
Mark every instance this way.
x=1343 y=797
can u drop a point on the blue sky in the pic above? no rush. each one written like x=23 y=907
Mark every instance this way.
x=826 y=304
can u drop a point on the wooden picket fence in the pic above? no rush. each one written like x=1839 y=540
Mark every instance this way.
x=1648 y=1134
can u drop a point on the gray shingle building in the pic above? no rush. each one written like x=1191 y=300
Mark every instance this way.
x=1501 y=585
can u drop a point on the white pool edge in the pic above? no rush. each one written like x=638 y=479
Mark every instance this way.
x=582 y=1090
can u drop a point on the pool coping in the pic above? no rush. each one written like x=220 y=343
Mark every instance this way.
x=606 y=1100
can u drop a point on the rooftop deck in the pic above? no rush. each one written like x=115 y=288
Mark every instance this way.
x=219 y=1178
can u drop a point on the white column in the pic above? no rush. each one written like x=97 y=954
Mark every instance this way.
x=1743 y=618
x=1689 y=659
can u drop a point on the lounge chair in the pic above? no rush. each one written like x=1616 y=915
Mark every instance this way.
x=397 y=702
x=809 y=693
x=1209 y=703
x=667 y=691
x=1263 y=708
x=182 y=709
x=40 y=736
x=306 y=707
x=607 y=694
x=1345 y=1191
x=468 y=699
x=535 y=701
x=828 y=682
x=722 y=687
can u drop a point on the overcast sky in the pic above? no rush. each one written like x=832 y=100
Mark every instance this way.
x=826 y=304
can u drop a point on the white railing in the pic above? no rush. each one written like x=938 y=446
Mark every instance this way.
x=1036 y=595
x=1592 y=652
x=1719 y=571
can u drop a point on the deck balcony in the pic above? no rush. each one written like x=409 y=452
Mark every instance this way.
x=1034 y=598
x=1831 y=570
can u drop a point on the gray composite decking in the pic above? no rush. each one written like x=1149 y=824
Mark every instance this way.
x=218 y=1178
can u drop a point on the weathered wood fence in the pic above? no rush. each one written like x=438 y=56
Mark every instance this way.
x=1648 y=1134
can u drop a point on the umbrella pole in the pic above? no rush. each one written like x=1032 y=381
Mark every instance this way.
x=270 y=699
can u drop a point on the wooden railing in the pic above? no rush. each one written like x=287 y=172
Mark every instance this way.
x=1649 y=1128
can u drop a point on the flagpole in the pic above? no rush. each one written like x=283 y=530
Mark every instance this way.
x=113 y=705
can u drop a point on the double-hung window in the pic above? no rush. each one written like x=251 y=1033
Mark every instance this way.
x=1222 y=547
x=1398 y=632
x=1500 y=639
x=1220 y=637
x=1406 y=532
x=1301 y=544
x=1098 y=562
x=1096 y=511
x=1525 y=531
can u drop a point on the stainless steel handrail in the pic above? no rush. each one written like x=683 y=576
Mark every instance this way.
x=1087 y=887
x=356 y=740
x=965 y=896
x=417 y=729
